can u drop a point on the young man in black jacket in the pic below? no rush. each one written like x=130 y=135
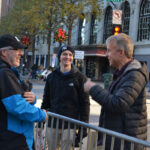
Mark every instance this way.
x=124 y=104
x=64 y=94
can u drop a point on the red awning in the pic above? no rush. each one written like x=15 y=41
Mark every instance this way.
x=100 y=53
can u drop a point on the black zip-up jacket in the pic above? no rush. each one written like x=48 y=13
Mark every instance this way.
x=124 y=108
x=64 y=94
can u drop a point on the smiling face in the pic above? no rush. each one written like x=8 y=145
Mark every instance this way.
x=66 y=58
x=113 y=55
x=12 y=57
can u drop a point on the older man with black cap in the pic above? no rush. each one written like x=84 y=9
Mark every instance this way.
x=17 y=112
x=64 y=94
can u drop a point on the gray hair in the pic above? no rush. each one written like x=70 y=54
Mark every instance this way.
x=5 y=48
x=122 y=41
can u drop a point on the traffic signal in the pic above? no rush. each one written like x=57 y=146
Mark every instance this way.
x=116 y=29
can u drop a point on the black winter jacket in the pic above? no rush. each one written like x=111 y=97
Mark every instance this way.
x=64 y=94
x=124 y=108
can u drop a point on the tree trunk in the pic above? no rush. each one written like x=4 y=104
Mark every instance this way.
x=69 y=34
x=70 y=23
x=33 y=50
x=49 y=47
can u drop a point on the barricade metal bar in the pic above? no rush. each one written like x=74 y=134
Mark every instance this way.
x=87 y=146
x=122 y=144
x=40 y=130
x=56 y=133
x=46 y=126
x=112 y=142
x=81 y=135
x=68 y=136
x=50 y=137
x=132 y=146
x=143 y=147
x=96 y=137
x=70 y=133
x=104 y=140
x=109 y=132
x=74 y=135
x=62 y=134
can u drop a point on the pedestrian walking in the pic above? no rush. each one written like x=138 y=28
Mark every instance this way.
x=64 y=94
x=124 y=104
x=17 y=110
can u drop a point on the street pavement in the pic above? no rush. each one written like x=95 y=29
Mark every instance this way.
x=38 y=88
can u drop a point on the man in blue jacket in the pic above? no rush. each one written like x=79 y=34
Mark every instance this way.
x=17 y=112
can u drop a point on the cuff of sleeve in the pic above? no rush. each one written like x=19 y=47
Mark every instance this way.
x=43 y=116
x=95 y=92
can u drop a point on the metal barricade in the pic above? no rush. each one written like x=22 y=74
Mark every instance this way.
x=52 y=137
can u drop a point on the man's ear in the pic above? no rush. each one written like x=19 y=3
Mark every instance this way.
x=122 y=52
x=3 y=53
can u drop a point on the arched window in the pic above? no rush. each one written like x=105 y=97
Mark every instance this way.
x=125 y=17
x=144 y=21
x=93 y=29
x=81 y=31
x=107 y=24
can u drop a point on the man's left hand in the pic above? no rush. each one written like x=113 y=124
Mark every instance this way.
x=29 y=96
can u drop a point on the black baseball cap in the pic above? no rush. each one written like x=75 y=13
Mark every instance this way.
x=8 y=40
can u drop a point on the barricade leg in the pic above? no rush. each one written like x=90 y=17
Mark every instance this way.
x=92 y=143
x=67 y=142
x=51 y=139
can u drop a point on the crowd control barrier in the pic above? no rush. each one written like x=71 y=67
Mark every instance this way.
x=41 y=139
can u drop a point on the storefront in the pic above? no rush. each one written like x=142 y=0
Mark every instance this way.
x=95 y=62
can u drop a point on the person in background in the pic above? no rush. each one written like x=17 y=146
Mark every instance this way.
x=64 y=94
x=34 y=69
x=124 y=104
x=17 y=110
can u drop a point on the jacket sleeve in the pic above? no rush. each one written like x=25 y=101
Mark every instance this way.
x=84 y=107
x=46 y=96
x=122 y=98
x=14 y=103
x=23 y=110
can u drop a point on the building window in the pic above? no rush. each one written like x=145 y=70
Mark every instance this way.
x=144 y=21
x=107 y=24
x=81 y=31
x=93 y=29
x=126 y=17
